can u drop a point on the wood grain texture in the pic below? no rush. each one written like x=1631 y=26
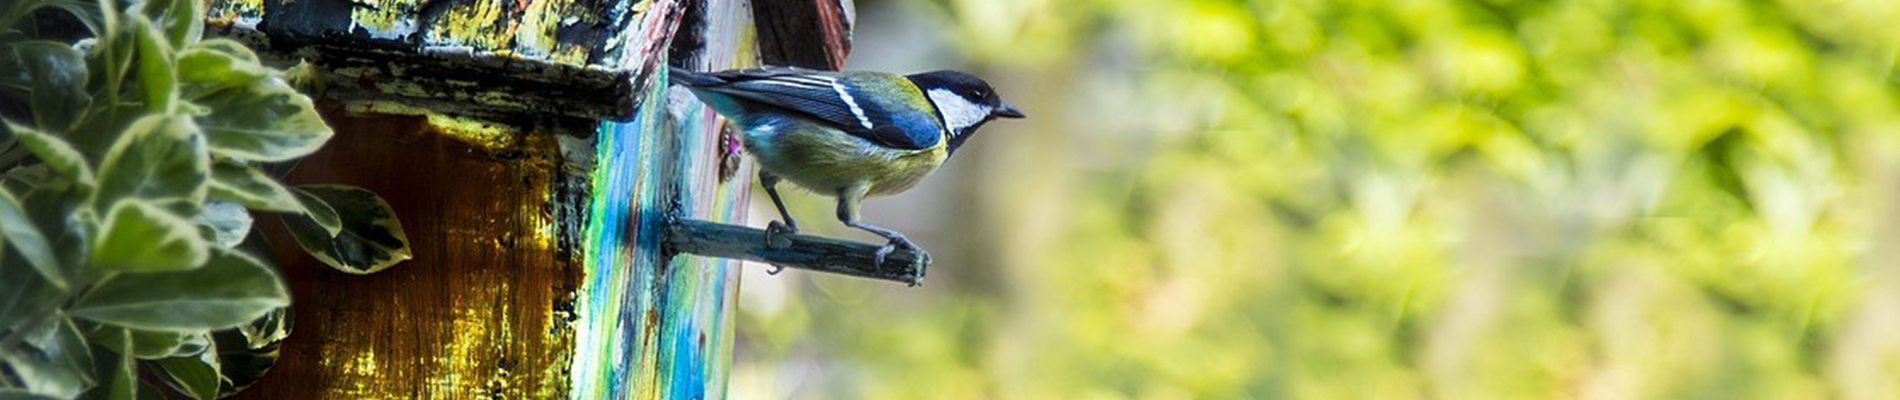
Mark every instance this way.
x=539 y=269
x=812 y=34
x=654 y=326
x=503 y=60
x=482 y=309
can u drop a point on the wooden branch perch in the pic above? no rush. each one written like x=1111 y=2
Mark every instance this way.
x=712 y=239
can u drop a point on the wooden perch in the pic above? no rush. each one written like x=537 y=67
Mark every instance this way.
x=814 y=253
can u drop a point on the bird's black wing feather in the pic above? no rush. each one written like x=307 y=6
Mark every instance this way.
x=824 y=96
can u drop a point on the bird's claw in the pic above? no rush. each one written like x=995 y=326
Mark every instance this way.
x=778 y=235
x=896 y=242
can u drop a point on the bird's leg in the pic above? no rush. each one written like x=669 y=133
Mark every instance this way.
x=770 y=182
x=777 y=234
x=848 y=200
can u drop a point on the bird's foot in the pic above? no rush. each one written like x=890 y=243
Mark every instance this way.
x=897 y=241
x=775 y=269
x=779 y=235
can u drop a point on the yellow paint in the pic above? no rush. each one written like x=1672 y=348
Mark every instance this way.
x=475 y=24
x=540 y=25
x=361 y=371
x=473 y=346
x=488 y=136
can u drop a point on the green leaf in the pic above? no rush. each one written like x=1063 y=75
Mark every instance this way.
x=67 y=345
x=86 y=13
x=102 y=127
x=184 y=23
x=161 y=158
x=141 y=237
x=247 y=185
x=186 y=108
x=114 y=48
x=265 y=121
x=60 y=213
x=55 y=361
x=196 y=376
x=56 y=153
x=44 y=377
x=272 y=328
x=124 y=377
x=22 y=394
x=156 y=76
x=56 y=75
x=82 y=10
x=28 y=178
x=372 y=237
x=107 y=64
x=23 y=294
x=319 y=213
x=27 y=240
x=231 y=289
x=245 y=353
x=218 y=64
x=11 y=152
x=231 y=47
x=242 y=363
x=151 y=345
x=225 y=223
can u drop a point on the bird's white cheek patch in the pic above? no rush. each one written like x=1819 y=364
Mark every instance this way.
x=958 y=112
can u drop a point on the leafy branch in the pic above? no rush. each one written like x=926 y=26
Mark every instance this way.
x=129 y=169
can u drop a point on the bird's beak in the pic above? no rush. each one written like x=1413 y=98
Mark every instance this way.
x=1007 y=111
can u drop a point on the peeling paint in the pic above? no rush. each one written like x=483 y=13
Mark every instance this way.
x=629 y=320
x=385 y=19
x=541 y=25
x=501 y=58
x=477 y=24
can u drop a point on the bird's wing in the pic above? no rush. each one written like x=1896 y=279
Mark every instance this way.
x=889 y=111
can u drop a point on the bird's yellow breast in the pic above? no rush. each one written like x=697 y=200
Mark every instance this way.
x=826 y=160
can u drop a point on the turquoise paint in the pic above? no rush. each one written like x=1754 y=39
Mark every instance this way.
x=611 y=245
x=654 y=326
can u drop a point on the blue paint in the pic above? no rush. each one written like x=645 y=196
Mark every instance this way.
x=666 y=335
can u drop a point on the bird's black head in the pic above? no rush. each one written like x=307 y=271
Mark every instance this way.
x=965 y=102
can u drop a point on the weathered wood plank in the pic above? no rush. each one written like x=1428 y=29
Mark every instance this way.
x=804 y=33
x=541 y=269
x=655 y=326
x=500 y=60
x=491 y=305
x=482 y=309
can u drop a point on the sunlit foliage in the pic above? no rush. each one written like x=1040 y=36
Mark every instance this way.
x=1469 y=199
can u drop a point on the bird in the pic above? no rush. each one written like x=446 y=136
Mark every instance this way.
x=847 y=134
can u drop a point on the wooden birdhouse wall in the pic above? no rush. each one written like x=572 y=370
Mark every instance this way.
x=534 y=154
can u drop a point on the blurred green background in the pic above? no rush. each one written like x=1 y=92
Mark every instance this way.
x=1451 y=199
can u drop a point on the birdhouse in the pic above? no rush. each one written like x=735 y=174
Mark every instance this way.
x=573 y=220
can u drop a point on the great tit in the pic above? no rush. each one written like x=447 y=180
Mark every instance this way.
x=847 y=134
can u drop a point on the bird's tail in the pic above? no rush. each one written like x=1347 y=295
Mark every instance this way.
x=689 y=78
